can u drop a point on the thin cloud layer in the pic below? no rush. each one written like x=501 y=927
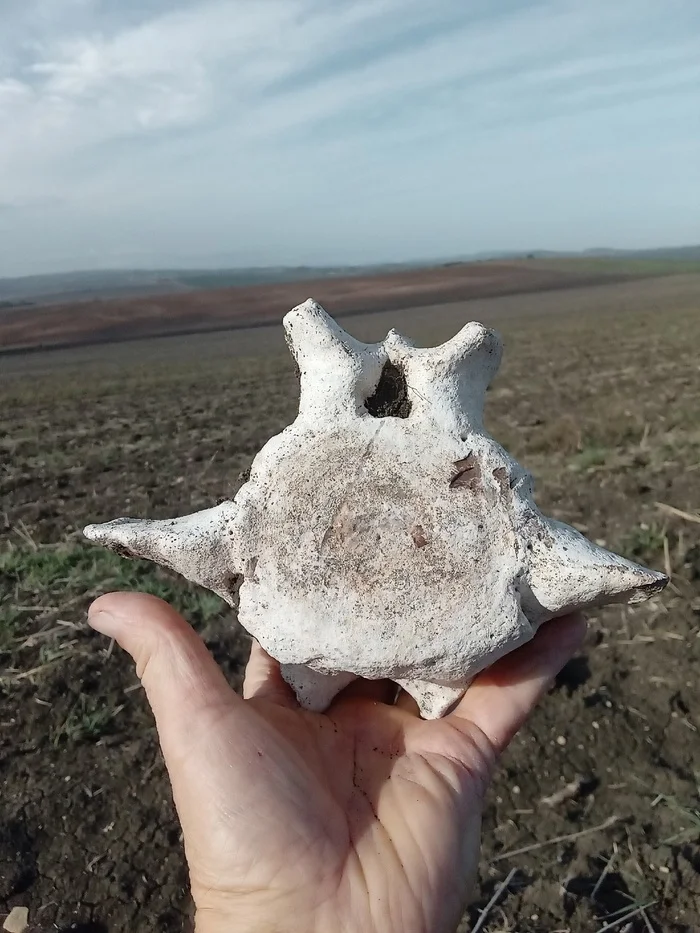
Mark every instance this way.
x=281 y=131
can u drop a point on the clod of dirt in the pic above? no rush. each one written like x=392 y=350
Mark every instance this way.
x=389 y=535
x=17 y=920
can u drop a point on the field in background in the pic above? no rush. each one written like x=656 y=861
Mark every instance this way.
x=66 y=287
x=595 y=809
x=84 y=323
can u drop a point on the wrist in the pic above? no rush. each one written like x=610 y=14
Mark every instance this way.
x=243 y=916
x=233 y=922
x=245 y=922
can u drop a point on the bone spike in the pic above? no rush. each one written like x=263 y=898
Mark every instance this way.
x=312 y=331
x=198 y=546
x=313 y=690
x=471 y=341
x=567 y=571
x=397 y=342
x=434 y=700
x=448 y=383
x=336 y=371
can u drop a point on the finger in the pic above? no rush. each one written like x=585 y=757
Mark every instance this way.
x=378 y=691
x=263 y=679
x=181 y=679
x=502 y=697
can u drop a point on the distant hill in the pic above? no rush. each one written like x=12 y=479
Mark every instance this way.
x=672 y=253
x=669 y=253
x=90 y=322
x=88 y=286
x=104 y=284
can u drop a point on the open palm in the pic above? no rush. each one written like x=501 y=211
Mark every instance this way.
x=364 y=818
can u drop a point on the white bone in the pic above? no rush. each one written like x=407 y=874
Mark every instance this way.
x=336 y=371
x=385 y=534
x=198 y=546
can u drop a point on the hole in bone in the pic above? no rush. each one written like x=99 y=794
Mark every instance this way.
x=390 y=398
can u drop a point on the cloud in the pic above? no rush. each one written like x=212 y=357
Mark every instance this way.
x=112 y=106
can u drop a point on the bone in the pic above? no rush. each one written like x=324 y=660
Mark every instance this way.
x=384 y=533
x=567 y=572
x=433 y=700
x=198 y=546
x=335 y=370
x=449 y=382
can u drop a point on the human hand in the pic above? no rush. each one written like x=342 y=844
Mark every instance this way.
x=364 y=818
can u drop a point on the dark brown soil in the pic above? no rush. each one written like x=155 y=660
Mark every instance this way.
x=598 y=396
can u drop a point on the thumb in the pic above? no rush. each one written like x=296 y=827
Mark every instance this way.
x=181 y=679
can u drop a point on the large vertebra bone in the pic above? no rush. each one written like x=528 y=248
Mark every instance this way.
x=384 y=533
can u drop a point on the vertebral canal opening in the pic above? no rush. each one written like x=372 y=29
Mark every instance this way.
x=390 y=398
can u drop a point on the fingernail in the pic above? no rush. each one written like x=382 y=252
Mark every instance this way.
x=103 y=622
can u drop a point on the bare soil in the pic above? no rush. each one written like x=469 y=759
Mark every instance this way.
x=99 y=321
x=595 y=807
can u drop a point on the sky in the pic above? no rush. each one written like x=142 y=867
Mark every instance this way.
x=204 y=133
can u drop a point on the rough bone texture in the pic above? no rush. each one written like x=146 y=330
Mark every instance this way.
x=384 y=533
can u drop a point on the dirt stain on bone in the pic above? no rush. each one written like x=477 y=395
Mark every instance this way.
x=466 y=474
x=122 y=550
x=342 y=527
x=500 y=474
x=419 y=537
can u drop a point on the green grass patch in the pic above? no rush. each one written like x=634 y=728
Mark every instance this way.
x=643 y=542
x=590 y=457
x=620 y=265
x=88 y=720
x=11 y=623
x=60 y=579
